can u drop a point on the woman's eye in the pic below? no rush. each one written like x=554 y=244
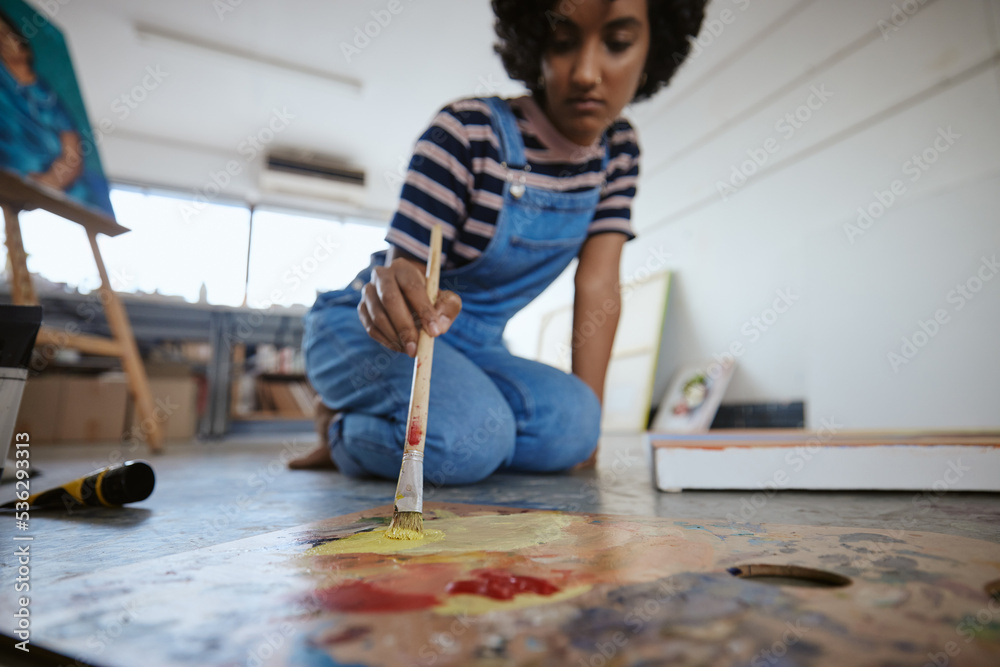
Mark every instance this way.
x=616 y=46
x=561 y=45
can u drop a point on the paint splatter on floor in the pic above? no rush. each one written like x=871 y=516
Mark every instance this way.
x=539 y=587
x=501 y=585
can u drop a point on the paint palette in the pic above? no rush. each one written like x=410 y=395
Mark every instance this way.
x=499 y=586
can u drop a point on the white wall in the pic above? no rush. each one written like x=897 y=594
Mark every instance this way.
x=893 y=88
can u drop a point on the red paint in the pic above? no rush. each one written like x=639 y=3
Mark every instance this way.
x=501 y=585
x=415 y=433
x=362 y=597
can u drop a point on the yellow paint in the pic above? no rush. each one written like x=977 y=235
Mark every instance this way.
x=475 y=605
x=373 y=542
x=475 y=534
x=398 y=533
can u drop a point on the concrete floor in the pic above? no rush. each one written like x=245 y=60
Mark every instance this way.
x=211 y=493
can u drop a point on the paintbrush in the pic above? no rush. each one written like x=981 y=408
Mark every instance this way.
x=407 y=516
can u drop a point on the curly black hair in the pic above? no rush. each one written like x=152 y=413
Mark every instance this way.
x=523 y=28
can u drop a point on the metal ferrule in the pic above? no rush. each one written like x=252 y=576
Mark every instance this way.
x=410 y=490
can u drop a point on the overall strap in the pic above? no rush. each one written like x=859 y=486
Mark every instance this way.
x=505 y=125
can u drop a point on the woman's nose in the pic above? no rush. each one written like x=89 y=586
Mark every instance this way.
x=587 y=68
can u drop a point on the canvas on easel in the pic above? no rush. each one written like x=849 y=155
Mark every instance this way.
x=49 y=160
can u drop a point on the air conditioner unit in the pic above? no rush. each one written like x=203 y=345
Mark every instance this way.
x=310 y=175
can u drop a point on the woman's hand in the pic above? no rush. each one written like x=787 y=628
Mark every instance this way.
x=394 y=305
x=67 y=167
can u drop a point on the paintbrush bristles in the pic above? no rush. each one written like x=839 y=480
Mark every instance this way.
x=406 y=526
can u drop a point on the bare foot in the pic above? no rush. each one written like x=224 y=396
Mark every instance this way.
x=319 y=458
x=589 y=464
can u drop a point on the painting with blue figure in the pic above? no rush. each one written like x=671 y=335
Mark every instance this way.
x=45 y=137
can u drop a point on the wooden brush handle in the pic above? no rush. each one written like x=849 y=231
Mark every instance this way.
x=416 y=421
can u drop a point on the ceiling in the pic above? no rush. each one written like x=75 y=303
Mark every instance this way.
x=209 y=100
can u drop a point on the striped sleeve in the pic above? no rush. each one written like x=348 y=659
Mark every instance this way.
x=614 y=210
x=436 y=189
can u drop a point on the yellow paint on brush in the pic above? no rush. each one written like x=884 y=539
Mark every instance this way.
x=397 y=533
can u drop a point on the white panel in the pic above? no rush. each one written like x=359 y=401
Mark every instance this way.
x=765 y=470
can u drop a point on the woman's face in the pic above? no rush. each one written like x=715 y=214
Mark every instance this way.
x=593 y=63
x=13 y=49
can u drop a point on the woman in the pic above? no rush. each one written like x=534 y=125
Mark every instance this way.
x=521 y=187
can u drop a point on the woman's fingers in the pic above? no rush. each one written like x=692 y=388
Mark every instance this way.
x=395 y=286
x=448 y=306
x=396 y=295
x=375 y=320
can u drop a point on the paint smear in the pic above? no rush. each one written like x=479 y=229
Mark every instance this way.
x=415 y=433
x=501 y=585
x=360 y=597
x=476 y=605
x=477 y=534
x=373 y=542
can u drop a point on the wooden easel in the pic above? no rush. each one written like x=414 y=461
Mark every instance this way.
x=15 y=196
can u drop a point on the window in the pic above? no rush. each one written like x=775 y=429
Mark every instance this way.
x=174 y=247
x=292 y=257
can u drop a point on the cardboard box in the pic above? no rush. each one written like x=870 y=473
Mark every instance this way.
x=91 y=409
x=39 y=408
x=175 y=406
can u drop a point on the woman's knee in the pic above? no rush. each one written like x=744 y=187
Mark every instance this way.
x=471 y=446
x=345 y=365
x=569 y=425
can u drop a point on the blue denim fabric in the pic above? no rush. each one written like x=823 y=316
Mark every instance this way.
x=488 y=409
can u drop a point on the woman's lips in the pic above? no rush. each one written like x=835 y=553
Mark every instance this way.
x=586 y=104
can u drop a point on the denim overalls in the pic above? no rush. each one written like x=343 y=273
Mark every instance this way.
x=488 y=409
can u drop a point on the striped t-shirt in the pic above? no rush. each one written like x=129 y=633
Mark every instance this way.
x=455 y=177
